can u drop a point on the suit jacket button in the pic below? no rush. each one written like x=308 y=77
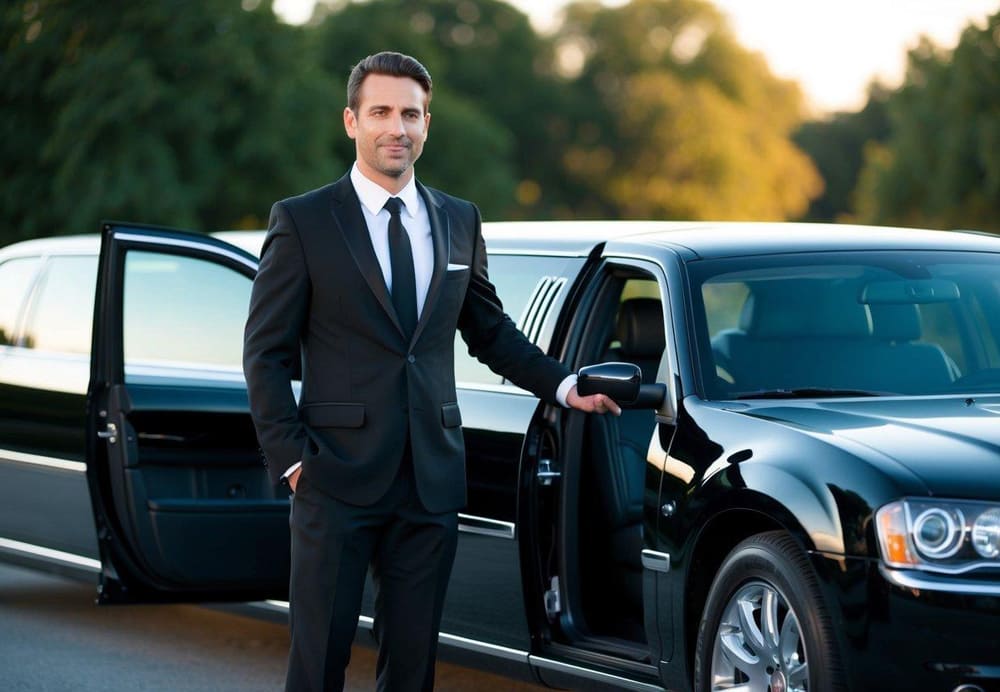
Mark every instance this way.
x=411 y=358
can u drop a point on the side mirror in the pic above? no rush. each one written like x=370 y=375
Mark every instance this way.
x=622 y=382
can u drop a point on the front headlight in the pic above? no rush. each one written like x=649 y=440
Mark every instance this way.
x=939 y=535
x=986 y=533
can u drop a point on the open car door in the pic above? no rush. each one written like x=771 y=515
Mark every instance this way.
x=183 y=506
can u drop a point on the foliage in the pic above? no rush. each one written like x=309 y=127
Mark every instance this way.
x=940 y=167
x=491 y=95
x=191 y=113
x=837 y=145
x=689 y=124
x=202 y=113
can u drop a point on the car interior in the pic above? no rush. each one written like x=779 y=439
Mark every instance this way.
x=816 y=333
x=604 y=494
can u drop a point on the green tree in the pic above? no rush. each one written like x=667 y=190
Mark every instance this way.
x=684 y=122
x=195 y=114
x=836 y=145
x=493 y=94
x=940 y=167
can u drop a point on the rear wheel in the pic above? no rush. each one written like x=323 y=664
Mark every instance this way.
x=765 y=627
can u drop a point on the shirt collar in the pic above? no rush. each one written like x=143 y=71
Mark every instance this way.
x=373 y=196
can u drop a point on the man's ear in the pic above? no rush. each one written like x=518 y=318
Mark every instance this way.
x=427 y=125
x=350 y=122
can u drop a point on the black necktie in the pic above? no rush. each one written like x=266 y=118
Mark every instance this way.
x=404 y=284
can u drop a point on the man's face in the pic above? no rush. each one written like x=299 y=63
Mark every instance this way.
x=389 y=128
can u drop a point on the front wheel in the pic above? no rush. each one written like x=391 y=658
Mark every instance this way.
x=765 y=627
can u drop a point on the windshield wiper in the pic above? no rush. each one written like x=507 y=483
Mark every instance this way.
x=804 y=393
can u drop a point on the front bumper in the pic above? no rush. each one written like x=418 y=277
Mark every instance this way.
x=902 y=630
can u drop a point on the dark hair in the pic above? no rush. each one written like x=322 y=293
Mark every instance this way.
x=386 y=63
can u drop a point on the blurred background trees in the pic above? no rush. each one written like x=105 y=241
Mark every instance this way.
x=187 y=113
x=940 y=165
x=201 y=113
x=683 y=122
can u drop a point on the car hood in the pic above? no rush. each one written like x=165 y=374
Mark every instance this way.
x=951 y=443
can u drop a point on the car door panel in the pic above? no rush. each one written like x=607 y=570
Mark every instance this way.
x=485 y=600
x=180 y=490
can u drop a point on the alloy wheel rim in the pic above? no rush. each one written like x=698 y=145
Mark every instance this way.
x=758 y=646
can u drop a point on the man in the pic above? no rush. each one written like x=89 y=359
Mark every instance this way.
x=366 y=293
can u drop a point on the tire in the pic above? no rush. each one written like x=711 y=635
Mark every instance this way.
x=792 y=649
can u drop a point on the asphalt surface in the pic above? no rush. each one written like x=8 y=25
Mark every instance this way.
x=54 y=639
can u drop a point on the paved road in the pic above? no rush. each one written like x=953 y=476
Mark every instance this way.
x=53 y=639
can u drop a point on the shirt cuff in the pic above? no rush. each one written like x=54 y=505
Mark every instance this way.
x=563 y=390
x=292 y=469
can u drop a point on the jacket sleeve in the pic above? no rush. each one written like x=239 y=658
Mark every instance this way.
x=494 y=339
x=279 y=303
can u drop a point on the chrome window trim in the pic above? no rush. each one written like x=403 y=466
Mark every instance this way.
x=470 y=523
x=194 y=371
x=606 y=678
x=50 y=555
x=31 y=352
x=39 y=460
x=532 y=309
x=548 y=298
x=908 y=579
x=532 y=253
x=495 y=388
x=189 y=244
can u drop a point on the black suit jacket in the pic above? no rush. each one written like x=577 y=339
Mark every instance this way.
x=320 y=297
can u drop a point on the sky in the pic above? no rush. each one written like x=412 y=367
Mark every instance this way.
x=833 y=48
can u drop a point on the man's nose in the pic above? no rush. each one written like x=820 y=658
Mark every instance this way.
x=396 y=125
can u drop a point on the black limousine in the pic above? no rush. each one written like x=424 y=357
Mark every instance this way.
x=803 y=492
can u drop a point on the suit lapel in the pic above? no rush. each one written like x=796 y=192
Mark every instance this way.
x=441 y=240
x=346 y=210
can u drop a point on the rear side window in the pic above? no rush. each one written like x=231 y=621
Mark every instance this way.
x=517 y=279
x=62 y=316
x=15 y=281
x=183 y=311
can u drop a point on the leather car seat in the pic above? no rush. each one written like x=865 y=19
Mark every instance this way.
x=797 y=333
x=903 y=365
x=620 y=443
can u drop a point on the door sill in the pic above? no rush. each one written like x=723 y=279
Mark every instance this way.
x=606 y=651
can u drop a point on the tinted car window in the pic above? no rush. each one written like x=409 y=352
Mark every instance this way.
x=61 y=318
x=15 y=280
x=882 y=322
x=182 y=311
x=516 y=277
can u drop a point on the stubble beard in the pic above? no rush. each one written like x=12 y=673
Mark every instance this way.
x=392 y=166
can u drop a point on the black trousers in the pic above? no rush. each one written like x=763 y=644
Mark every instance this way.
x=410 y=552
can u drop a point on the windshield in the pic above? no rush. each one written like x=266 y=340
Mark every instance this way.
x=848 y=324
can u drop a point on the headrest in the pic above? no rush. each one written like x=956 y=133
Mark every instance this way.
x=640 y=328
x=896 y=322
x=806 y=308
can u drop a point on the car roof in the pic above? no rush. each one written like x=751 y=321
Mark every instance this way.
x=63 y=245
x=701 y=239
x=725 y=239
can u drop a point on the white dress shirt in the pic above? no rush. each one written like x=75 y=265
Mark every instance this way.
x=415 y=220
